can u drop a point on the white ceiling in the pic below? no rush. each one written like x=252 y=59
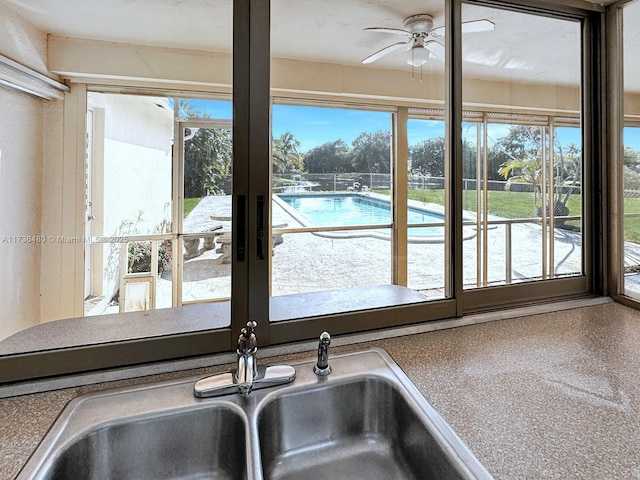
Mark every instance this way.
x=522 y=47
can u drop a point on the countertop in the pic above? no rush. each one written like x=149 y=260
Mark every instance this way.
x=553 y=396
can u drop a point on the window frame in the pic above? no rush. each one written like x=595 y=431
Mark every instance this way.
x=251 y=140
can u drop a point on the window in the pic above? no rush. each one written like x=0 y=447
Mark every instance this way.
x=475 y=161
x=631 y=151
x=523 y=163
x=427 y=187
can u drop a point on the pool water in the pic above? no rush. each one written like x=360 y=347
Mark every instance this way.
x=356 y=209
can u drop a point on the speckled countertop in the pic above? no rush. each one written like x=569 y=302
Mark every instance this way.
x=553 y=396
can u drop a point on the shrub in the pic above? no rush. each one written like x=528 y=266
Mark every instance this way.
x=139 y=257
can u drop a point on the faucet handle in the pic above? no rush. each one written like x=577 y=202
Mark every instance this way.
x=251 y=326
x=247 y=340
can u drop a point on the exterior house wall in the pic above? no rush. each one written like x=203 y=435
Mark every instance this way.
x=137 y=162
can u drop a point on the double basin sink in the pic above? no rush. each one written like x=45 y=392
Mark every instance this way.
x=365 y=420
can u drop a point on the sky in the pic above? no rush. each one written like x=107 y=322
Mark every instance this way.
x=313 y=126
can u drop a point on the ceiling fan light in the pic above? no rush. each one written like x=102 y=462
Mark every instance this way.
x=417 y=56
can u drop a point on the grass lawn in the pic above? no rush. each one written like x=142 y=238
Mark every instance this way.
x=500 y=203
x=190 y=204
x=632 y=224
x=503 y=204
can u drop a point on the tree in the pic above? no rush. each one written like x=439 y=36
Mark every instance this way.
x=330 y=157
x=427 y=157
x=631 y=158
x=286 y=154
x=371 y=152
x=523 y=147
x=469 y=160
x=208 y=157
x=521 y=142
x=631 y=172
x=208 y=162
x=567 y=173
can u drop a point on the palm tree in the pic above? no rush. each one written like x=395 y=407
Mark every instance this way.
x=286 y=154
x=528 y=169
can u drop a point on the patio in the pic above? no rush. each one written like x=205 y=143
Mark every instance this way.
x=307 y=262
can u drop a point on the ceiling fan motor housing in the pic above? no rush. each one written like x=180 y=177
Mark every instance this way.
x=419 y=24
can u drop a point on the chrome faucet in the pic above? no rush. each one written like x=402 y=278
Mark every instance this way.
x=322 y=367
x=248 y=377
x=247 y=368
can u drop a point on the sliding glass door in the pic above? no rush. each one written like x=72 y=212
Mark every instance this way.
x=523 y=150
x=355 y=222
x=205 y=161
x=631 y=150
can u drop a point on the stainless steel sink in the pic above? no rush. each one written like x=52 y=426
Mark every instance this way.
x=365 y=420
x=151 y=432
x=364 y=428
x=134 y=448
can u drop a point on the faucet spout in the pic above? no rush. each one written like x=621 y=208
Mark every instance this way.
x=247 y=349
x=246 y=373
x=322 y=367
x=247 y=378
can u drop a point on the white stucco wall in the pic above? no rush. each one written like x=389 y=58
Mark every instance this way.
x=21 y=117
x=136 y=179
x=21 y=181
x=21 y=41
x=137 y=162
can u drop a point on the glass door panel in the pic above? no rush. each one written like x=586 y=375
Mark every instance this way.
x=427 y=264
x=341 y=152
x=205 y=234
x=631 y=145
x=129 y=198
x=523 y=185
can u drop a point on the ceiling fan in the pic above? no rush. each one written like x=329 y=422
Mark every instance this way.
x=422 y=39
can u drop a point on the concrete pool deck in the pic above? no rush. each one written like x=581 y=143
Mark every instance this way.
x=307 y=262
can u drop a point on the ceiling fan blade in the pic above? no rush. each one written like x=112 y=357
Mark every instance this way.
x=437 y=32
x=436 y=48
x=383 y=52
x=477 y=26
x=471 y=26
x=395 y=31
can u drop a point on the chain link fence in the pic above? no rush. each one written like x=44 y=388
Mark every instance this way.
x=344 y=182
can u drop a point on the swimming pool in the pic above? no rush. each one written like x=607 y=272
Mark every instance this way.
x=353 y=209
